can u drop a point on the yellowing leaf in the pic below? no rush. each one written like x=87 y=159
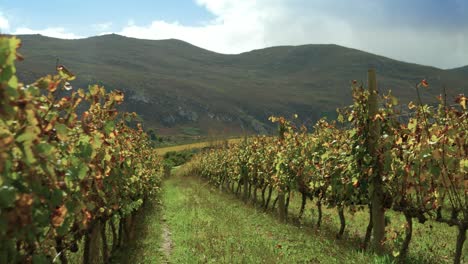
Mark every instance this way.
x=65 y=73
x=58 y=216
x=412 y=125
x=62 y=131
x=118 y=97
x=461 y=99
x=399 y=141
x=464 y=165
x=436 y=154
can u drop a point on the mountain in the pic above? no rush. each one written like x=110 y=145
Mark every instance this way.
x=179 y=88
x=461 y=70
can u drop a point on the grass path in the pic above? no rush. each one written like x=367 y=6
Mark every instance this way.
x=197 y=145
x=195 y=223
x=167 y=243
x=149 y=243
x=206 y=226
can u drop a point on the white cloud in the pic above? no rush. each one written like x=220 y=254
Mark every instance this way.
x=241 y=26
x=104 y=33
x=425 y=46
x=227 y=33
x=245 y=25
x=55 y=32
x=4 y=24
x=102 y=26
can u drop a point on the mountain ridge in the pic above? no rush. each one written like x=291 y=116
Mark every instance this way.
x=464 y=67
x=176 y=86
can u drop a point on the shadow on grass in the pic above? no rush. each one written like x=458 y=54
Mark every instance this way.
x=145 y=247
x=328 y=230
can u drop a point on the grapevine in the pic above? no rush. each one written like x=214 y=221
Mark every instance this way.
x=68 y=161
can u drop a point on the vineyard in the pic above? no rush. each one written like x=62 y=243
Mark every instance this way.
x=71 y=167
x=373 y=156
x=75 y=173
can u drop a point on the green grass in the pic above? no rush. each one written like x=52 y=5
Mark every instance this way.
x=209 y=226
x=194 y=146
x=191 y=131
x=432 y=242
x=212 y=227
x=146 y=248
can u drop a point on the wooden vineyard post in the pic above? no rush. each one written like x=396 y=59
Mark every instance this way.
x=92 y=248
x=245 y=181
x=245 y=175
x=281 y=191
x=378 y=214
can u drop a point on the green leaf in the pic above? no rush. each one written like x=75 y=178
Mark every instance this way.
x=102 y=195
x=41 y=218
x=69 y=179
x=435 y=170
x=28 y=154
x=78 y=172
x=33 y=90
x=72 y=206
x=63 y=229
x=90 y=205
x=7 y=73
x=40 y=259
x=82 y=171
x=44 y=148
x=3 y=230
x=86 y=151
x=13 y=82
x=97 y=142
x=109 y=127
x=7 y=196
x=65 y=73
x=12 y=92
x=56 y=197
x=62 y=131
x=27 y=136
x=340 y=118
x=412 y=125
x=94 y=90
x=464 y=165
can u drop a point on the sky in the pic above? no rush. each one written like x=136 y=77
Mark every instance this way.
x=428 y=32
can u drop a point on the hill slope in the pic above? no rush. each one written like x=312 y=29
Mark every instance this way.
x=461 y=70
x=174 y=85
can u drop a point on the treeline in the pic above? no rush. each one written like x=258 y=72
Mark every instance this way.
x=373 y=156
x=67 y=175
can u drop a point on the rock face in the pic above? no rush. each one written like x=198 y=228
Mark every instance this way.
x=140 y=98
x=171 y=84
x=187 y=114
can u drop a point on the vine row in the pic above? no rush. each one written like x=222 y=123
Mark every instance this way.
x=70 y=164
